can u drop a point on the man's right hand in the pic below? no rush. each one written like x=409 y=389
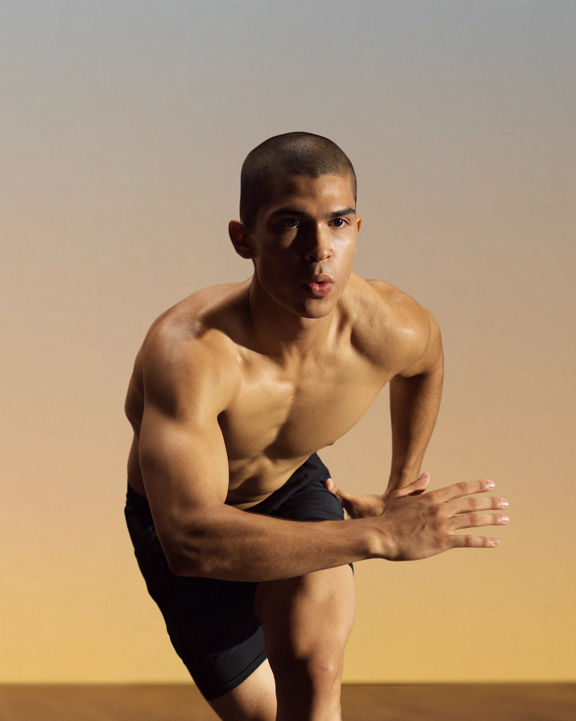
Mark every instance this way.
x=417 y=525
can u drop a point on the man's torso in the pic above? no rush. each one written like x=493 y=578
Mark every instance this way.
x=283 y=407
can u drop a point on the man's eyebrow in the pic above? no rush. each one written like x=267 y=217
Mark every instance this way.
x=289 y=211
x=302 y=214
x=340 y=213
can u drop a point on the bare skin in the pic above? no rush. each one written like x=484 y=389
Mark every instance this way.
x=238 y=384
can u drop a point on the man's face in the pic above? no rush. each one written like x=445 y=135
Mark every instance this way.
x=303 y=242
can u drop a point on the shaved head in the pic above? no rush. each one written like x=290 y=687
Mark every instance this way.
x=287 y=154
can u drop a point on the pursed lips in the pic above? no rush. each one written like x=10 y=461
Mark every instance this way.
x=320 y=284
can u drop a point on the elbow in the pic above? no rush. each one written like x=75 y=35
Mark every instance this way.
x=185 y=552
x=185 y=562
x=178 y=562
x=197 y=543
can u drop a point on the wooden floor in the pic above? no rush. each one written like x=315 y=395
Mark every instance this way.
x=438 y=702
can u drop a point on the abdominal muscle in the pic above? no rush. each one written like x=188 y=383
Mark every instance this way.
x=253 y=481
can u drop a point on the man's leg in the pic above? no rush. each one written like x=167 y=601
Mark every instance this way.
x=253 y=700
x=306 y=624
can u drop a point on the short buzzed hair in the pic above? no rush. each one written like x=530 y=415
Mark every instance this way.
x=291 y=154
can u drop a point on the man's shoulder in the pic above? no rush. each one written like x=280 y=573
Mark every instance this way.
x=400 y=307
x=202 y=316
x=192 y=339
x=391 y=325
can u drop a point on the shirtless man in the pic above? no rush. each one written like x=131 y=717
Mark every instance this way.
x=237 y=528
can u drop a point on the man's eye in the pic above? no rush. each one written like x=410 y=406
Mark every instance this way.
x=288 y=224
x=339 y=222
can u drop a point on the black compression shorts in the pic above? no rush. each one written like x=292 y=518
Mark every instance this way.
x=211 y=623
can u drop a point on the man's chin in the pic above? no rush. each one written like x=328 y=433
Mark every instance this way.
x=318 y=308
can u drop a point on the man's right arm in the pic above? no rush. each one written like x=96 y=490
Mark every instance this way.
x=185 y=471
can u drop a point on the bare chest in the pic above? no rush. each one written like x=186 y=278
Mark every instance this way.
x=280 y=415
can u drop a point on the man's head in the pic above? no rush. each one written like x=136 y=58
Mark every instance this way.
x=283 y=155
x=298 y=222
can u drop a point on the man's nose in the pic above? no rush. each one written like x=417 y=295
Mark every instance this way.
x=319 y=245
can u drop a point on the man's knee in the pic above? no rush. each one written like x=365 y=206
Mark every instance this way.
x=317 y=674
x=308 y=689
x=325 y=674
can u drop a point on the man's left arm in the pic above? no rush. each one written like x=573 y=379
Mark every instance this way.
x=414 y=402
x=415 y=394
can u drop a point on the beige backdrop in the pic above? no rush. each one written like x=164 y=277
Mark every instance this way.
x=124 y=125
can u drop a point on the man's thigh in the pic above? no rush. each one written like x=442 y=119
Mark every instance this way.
x=307 y=620
x=306 y=624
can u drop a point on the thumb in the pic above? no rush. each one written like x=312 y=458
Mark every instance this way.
x=416 y=487
x=331 y=486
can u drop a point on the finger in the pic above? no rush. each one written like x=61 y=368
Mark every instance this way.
x=419 y=485
x=331 y=486
x=459 y=490
x=476 y=503
x=415 y=488
x=475 y=520
x=474 y=542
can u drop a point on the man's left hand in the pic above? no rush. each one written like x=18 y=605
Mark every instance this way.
x=374 y=504
x=371 y=504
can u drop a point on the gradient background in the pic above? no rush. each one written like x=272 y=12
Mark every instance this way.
x=124 y=125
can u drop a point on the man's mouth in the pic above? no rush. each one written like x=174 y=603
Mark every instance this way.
x=320 y=285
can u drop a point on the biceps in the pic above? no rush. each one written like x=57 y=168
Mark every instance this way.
x=184 y=466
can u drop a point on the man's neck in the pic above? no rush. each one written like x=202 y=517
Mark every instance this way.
x=283 y=335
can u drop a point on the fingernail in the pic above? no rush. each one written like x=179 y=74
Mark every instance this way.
x=493 y=542
x=504 y=519
x=504 y=503
x=489 y=484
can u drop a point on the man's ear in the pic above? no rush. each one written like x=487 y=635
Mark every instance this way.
x=240 y=238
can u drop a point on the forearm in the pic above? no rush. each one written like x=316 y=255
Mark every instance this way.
x=414 y=405
x=234 y=545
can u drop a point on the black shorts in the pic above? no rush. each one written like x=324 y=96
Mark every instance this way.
x=211 y=623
